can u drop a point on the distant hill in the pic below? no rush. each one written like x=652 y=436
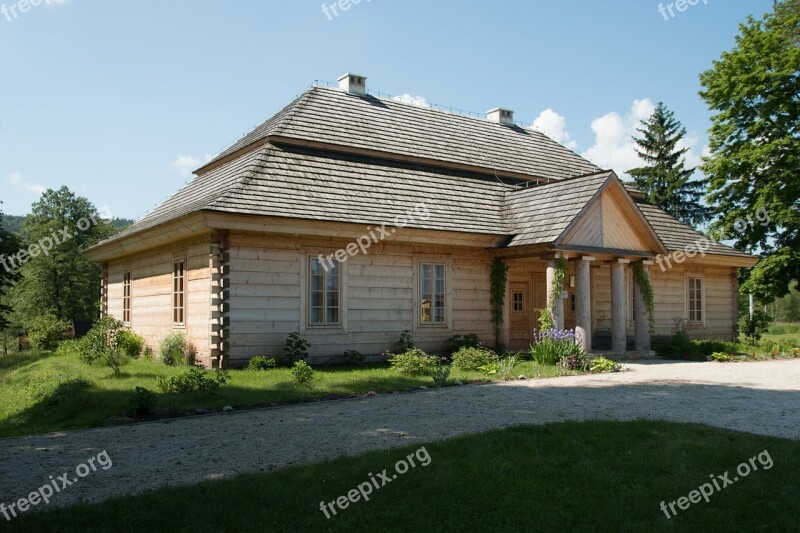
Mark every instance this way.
x=14 y=223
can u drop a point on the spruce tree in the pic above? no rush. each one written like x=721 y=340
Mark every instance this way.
x=665 y=180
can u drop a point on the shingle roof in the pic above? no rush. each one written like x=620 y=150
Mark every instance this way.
x=335 y=117
x=541 y=214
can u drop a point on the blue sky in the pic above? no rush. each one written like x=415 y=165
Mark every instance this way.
x=118 y=99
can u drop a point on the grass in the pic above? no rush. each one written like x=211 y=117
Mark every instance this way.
x=43 y=392
x=587 y=476
x=771 y=346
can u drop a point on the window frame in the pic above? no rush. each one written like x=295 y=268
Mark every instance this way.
x=127 y=296
x=308 y=292
x=419 y=263
x=514 y=310
x=182 y=292
x=690 y=278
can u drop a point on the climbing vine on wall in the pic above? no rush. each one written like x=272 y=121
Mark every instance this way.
x=499 y=278
x=643 y=282
x=546 y=321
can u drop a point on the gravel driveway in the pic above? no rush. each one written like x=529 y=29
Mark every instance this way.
x=761 y=398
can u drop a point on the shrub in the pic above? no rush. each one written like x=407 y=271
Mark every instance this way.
x=260 y=362
x=142 y=401
x=465 y=341
x=491 y=368
x=505 y=367
x=554 y=345
x=721 y=357
x=677 y=347
x=174 y=350
x=102 y=344
x=194 y=380
x=575 y=362
x=601 y=364
x=354 y=357
x=471 y=358
x=755 y=326
x=440 y=373
x=296 y=347
x=406 y=341
x=45 y=330
x=131 y=343
x=413 y=362
x=302 y=374
x=69 y=348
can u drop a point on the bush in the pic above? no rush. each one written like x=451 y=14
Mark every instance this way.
x=69 y=348
x=601 y=364
x=296 y=348
x=354 y=357
x=440 y=373
x=406 y=341
x=721 y=357
x=505 y=367
x=302 y=374
x=413 y=362
x=465 y=341
x=575 y=362
x=142 y=400
x=103 y=345
x=174 y=350
x=194 y=380
x=678 y=347
x=131 y=343
x=472 y=358
x=755 y=326
x=260 y=362
x=554 y=345
x=45 y=330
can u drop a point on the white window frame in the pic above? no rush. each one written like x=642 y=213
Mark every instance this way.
x=447 y=323
x=184 y=308
x=127 y=296
x=688 y=288
x=306 y=293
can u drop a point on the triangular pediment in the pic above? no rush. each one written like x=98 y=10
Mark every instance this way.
x=611 y=220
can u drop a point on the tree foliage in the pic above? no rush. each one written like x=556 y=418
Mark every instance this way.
x=61 y=283
x=9 y=245
x=665 y=179
x=754 y=90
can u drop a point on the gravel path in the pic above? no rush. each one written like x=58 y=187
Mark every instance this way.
x=761 y=398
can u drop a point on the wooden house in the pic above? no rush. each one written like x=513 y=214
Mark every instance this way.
x=351 y=218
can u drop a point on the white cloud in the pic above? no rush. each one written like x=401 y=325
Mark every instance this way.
x=185 y=164
x=15 y=179
x=614 y=146
x=554 y=126
x=413 y=100
x=57 y=2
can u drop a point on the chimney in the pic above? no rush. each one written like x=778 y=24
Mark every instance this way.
x=353 y=84
x=501 y=116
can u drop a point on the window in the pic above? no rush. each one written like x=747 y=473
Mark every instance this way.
x=695 y=300
x=518 y=302
x=178 y=293
x=324 y=293
x=432 y=293
x=126 y=297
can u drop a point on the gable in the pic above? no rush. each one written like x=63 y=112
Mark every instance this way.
x=611 y=220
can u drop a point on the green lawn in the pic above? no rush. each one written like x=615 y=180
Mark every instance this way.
x=589 y=476
x=36 y=395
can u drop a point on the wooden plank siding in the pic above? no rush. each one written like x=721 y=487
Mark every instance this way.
x=268 y=278
x=151 y=293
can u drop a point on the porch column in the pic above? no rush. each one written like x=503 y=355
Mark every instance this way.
x=558 y=304
x=618 y=330
x=583 y=302
x=641 y=316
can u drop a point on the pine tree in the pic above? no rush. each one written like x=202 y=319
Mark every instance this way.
x=665 y=180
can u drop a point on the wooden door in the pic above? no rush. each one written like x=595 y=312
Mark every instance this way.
x=521 y=314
